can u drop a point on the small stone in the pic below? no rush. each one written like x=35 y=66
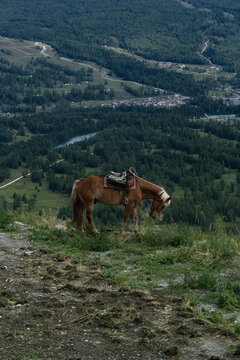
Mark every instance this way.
x=223 y=274
x=171 y=351
x=61 y=257
x=20 y=225
x=61 y=227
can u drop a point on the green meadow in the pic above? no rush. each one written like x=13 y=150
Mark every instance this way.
x=22 y=52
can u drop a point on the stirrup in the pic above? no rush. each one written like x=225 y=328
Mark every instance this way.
x=125 y=200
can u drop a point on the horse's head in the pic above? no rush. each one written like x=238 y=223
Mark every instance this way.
x=159 y=204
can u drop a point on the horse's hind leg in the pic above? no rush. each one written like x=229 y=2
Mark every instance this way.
x=78 y=209
x=89 y=211
x=80 y=220
x=78 y=217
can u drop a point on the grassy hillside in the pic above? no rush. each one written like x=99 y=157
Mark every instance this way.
x=201 y=270
x=52 y=78
x=168 y=290
x=40 y=80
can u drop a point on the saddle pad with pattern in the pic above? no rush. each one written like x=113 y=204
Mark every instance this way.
x=130 y=185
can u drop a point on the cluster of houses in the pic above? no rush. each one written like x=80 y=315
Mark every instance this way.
x=232 y=97
x=164 y=65
x=7 y=114
x=221 y=117
x=157 y=101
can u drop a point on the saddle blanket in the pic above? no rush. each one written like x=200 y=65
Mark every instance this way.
x=130 y=185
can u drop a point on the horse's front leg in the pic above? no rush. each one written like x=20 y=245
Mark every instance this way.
x=89 y=211
x=127 y=212
x=135 y=218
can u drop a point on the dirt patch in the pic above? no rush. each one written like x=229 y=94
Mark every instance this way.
x=53 y=307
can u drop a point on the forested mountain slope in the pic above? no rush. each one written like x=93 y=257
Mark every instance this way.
x=163 y=30
x=155 y=28
x=223 y=31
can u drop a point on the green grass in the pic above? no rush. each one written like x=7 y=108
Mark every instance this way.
x=14 y=173
x=202 y=268
x=178 y=192
x=17 y=138
x=20 y=52
x=230 y=176
x=5 y=219
x=45 y=200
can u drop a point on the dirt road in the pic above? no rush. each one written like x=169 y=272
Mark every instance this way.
x=27 y=175
x=57 y=308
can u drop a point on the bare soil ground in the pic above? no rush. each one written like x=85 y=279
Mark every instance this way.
x=54 y=307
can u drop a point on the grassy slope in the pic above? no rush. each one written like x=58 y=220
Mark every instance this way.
x=202 y=268
x=21 y=52
x=45 y=200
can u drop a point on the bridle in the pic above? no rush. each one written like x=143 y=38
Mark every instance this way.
x=158 y=207
x=162 y=204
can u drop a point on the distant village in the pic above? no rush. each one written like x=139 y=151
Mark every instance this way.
x=157 y=101
x=235 y=100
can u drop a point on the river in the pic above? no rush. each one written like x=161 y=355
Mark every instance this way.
x=75 y=139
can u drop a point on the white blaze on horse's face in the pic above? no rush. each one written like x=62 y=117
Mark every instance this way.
x=164 y=196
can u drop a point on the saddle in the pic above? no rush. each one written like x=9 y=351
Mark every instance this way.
x=120 y=181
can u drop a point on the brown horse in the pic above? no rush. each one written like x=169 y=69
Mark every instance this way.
x=91 y=189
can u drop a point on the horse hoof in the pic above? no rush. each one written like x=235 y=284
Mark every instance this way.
x=122 y=234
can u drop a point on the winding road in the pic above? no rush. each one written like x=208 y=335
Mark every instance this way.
x=23 y=176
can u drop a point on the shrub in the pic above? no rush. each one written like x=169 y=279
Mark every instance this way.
x=227 y=299
x=207 y=280
x=5 y=218
x=77 y=241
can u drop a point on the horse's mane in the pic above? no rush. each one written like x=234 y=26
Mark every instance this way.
x=149 y=183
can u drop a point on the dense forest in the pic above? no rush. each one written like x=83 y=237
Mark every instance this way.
x=36 y=84
x=194 y=157
x=108 y=23
x=162 y=30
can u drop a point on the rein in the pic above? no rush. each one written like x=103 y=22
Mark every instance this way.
x=158 y=208
x=147 y=200
x=158 y=198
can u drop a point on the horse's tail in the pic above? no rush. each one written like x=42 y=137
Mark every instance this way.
x=78 y=206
